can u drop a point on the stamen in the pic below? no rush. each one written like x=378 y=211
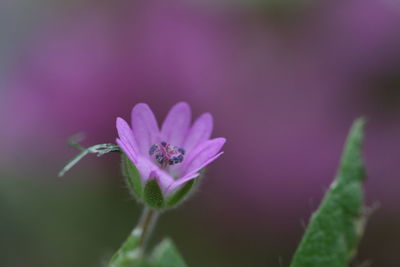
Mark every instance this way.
x=167 y=154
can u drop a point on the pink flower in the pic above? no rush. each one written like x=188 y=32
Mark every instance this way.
x=173 y=155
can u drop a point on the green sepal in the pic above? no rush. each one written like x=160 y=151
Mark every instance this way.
x=167 y=255
x=335 y=229
x=152 y=194
x=181 y=194
x=132 y=177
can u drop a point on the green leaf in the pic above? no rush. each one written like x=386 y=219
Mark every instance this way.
x=132 y=177
x=129 y=255
x=152 y=194
x=181 y=194
x=99 y=149
x=335 y=229
x=166 y=255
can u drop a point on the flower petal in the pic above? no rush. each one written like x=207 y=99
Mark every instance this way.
x=163 y=178
x=145 y=167
x=201 y=166
x=199 y=132
x=145 y=128
x=176 y=124
x=201 y=155
x=127 y=150
x=177 y=183
x=126 y=139
x=148 y=169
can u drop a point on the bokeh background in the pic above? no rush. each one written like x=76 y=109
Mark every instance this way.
x=284 y=80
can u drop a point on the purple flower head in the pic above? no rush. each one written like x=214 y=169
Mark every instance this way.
x=173 y=155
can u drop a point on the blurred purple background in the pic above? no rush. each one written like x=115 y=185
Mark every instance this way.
x=283 y=79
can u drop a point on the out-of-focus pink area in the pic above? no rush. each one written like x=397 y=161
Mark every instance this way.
x=283 y=90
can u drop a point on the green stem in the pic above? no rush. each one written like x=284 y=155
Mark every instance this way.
x=146 y=226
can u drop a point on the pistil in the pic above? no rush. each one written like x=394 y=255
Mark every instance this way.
x=166 y=154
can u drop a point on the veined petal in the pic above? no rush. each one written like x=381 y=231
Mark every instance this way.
x=199 y=132
x=144 y=126
x=176 y=124
x=201 y=155
x=177 y=183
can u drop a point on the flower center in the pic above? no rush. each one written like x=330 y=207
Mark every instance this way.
x=166 y=154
